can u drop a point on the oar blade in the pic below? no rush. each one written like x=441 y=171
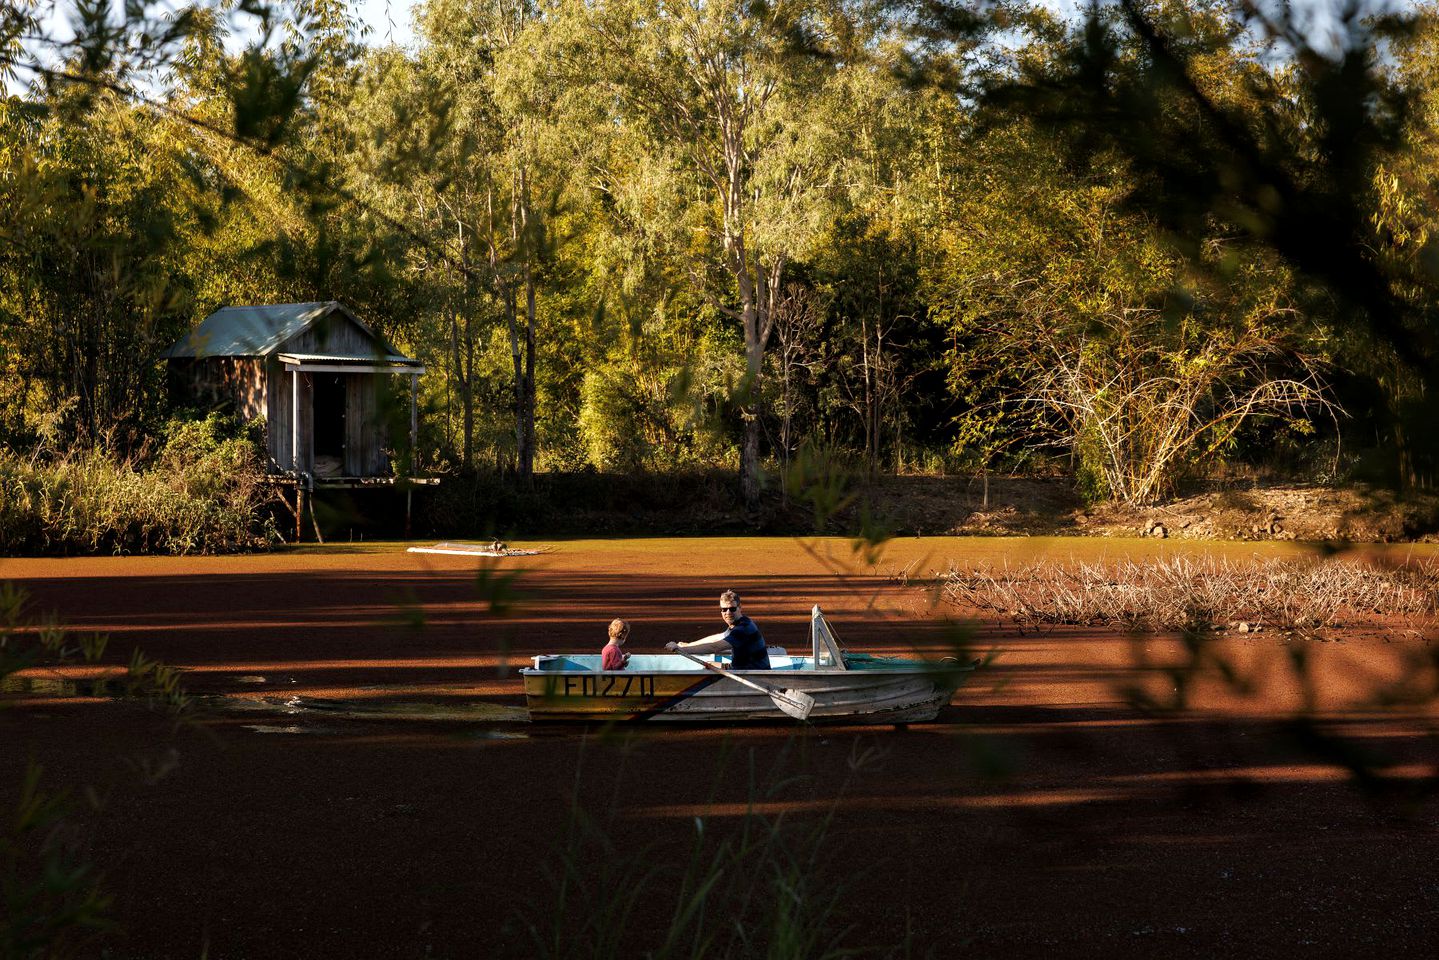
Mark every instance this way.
x=795 y=703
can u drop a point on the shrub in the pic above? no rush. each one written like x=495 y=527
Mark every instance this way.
x=588 y=502
x=202 y=492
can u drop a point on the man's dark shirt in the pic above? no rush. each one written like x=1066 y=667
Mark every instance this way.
x=748 y=645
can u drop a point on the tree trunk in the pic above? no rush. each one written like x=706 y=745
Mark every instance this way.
x=517 y=361
x=527 y=420
x=465 y=359
x=786 y=424
x=754 y=353
x=464 y=352
x=867 y=402
x=523 y=355
x=1405 y=460
x=749 y=462
x=749 y=404
x=1408 y=479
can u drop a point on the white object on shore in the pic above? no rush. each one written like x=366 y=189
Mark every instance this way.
x=475 y=550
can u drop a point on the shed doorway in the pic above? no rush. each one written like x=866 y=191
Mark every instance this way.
x=330 y=403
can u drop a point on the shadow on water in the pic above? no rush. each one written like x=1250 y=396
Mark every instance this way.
x=62 y=687
x=477 y=711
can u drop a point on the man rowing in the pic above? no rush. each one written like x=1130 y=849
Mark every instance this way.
x=740 y=637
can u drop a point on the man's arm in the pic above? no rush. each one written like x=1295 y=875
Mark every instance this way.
x=714 y=643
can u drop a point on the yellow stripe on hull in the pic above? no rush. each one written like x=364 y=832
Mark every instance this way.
x=608 y=696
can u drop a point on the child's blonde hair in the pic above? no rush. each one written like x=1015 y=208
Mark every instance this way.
x=619 y=629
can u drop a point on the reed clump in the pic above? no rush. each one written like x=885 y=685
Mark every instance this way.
x=747 y=887
x=199 y=490
x=1185 y=593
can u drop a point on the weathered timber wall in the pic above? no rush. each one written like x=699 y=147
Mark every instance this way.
x=235 y=382
x=334 y=335
x=280 y=413
x=365 y=433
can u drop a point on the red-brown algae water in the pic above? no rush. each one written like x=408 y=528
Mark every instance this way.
x=382 y=807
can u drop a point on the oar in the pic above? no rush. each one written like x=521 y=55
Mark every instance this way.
x=795 y=703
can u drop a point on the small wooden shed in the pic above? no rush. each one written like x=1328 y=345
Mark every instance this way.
x=312 y=370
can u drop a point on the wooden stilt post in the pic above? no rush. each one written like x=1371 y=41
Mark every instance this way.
x=414 y=424
x=302 y=495
x=315 y=521
x=414 y=455
x=295 y=420
x=300 y=505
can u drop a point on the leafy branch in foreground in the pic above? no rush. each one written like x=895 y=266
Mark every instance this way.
x=1236 y=160
x=52 y=898
x=52 y=903
x=1171 y=611
x=755 y=887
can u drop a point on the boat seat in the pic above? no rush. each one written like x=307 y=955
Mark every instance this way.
x=655 y=663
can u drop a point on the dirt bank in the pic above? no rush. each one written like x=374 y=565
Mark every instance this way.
x=1246 y=512
x=709 y=504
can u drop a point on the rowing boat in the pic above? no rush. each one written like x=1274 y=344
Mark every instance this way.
x=857 y=688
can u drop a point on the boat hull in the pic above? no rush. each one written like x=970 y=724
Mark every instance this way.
x=889 y=696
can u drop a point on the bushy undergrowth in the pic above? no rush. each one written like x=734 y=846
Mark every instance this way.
x=1186 y=593
x=199 y=492
x=819 y=492
x=488 y=505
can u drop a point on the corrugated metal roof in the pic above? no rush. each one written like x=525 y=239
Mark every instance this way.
x=256 y=331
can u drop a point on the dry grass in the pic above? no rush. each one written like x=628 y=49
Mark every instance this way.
x=1188 y=593
x=202 y=491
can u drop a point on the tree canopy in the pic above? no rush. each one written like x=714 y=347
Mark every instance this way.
x=643 y=235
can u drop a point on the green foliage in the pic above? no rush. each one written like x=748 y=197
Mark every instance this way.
x=738 y=230
x=208 y=456
x=201 y=493
x=1245 y=141
x=757 y=887
x=636 y=415
x=93 y=214
x=53 y=903
x=111 y=193
x=1089 y=469
x=487 y=505
x=1077 y=324
x=50 y=891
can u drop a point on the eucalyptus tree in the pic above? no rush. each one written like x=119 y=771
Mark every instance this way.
x=1405 y=211
x=410 y=163
x=705 y=129
x=893 y=173
x=1282 y=163
x=493 y=181
x=430 y=150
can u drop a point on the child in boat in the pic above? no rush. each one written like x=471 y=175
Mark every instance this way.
x=613 y=658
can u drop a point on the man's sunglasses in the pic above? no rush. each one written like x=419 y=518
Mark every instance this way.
x=728 y=609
